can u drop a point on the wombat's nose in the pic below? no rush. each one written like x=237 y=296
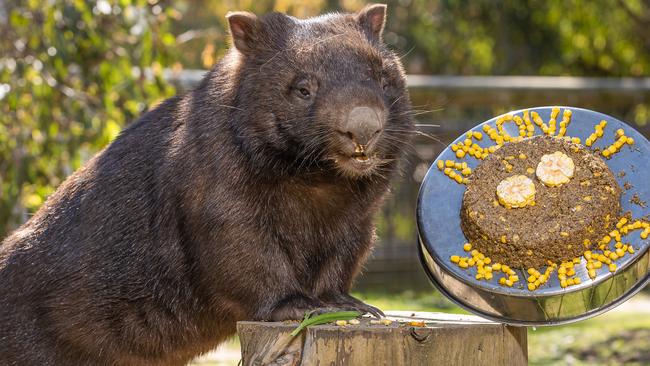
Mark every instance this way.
x=362 y=125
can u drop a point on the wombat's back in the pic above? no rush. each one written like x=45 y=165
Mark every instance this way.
x=100 y=266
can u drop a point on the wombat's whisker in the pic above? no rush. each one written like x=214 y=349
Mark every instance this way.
x=395 y=101
x=406 y=54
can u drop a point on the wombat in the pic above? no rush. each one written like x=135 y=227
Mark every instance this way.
x=249 y=198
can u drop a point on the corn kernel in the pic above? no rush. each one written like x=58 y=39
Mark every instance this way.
x=467 y=247
x=509 y=283
x=441 y=165
x=514 y=278
x=471 y=262
x=563 y=284
x=592 y=273
x=532 y=279
x=612 y=267
x=487 y=260
x=543 y=278
x=531 y=287
x=460 y=154
x=488 y=275
x=496 y=266
x=502 y=281
x=455 y=258
x=570 y=282
x=620 y=252
x=577 y=280
x=463 y=264
x=479 y=276
x=630 y=250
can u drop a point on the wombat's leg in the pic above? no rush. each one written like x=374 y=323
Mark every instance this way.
x=334 y=285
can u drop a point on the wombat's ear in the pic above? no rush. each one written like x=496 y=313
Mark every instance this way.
x=372 y=19
x=243 y=28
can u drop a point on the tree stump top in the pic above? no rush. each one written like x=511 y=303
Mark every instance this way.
x=446 y=339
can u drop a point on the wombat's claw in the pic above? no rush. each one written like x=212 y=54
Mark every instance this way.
x=375 y=312
x=351 y=303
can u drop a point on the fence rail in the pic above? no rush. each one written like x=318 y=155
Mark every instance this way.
x=189 y=78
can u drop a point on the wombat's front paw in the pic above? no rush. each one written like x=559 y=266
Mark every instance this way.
x=294 y=308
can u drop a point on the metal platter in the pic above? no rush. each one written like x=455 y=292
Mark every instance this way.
x=440 y=236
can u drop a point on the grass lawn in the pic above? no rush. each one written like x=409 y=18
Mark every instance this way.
x=619 y=337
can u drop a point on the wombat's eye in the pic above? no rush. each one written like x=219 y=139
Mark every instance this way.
x=304 y=92
x=302 y=89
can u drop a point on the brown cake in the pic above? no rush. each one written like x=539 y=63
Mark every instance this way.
x=559 y=223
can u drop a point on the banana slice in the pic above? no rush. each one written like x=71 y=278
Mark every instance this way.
x=555 y=169
x=516 y=191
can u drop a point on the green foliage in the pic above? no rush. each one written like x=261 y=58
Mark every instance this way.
x=72 y=73
x=324 y=318
x=523 y=37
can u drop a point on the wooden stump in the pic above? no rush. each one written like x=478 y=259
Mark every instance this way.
x=447 y=339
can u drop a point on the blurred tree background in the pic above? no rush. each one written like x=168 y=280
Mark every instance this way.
x=74 y=72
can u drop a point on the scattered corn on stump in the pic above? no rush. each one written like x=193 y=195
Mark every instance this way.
x=410 y=339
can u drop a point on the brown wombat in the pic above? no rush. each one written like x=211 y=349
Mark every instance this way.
x=250 y=197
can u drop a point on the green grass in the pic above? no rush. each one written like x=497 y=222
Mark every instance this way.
x=614 y=338
x=619 y=337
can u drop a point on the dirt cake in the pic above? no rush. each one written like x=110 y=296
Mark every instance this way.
x=559 y=223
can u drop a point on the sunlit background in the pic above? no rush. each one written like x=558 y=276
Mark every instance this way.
x=73 y=73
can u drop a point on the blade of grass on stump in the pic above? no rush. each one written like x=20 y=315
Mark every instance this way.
x=325 y=318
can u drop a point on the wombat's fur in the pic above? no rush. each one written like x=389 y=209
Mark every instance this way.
x=239 y=200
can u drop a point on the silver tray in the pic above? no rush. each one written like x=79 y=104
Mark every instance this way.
x=440 y=236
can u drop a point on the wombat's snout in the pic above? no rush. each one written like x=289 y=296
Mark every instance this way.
x=362 y=125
